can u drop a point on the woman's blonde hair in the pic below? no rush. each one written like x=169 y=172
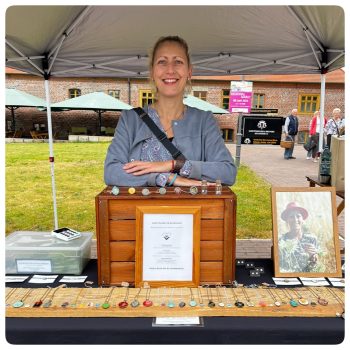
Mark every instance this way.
x=172 y=39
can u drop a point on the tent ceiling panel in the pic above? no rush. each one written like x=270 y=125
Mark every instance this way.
x=115 y=40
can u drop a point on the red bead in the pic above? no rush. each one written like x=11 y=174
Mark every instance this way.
x=123 y=304
x=147 y=303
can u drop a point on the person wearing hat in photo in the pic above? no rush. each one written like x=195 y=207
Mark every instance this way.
x=297 y=247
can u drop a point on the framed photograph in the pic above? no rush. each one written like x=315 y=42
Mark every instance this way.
x=167 y=246
x=305 y=232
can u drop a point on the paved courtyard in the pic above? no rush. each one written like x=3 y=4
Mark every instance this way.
x=268 y=162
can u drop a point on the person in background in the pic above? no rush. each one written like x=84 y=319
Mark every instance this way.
x=137 y=158
x=309 y=152
x=334 y=126
x=291 y=128
x=315 y=134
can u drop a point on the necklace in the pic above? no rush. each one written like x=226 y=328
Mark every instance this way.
x=171 y=304
x=8 y=296
x=292 y=302
x=181 y=303
x=192 y=301
x=135 y=302
x=340 y=302
x=210 y=301
x=40 y=301
x=49 y=302
x=238 y=303
x=147 y=302
x=249 y=303
x=276 y=302
x=124 y=304
x=178 y=116
x=228 y=304
x=20 y=303
x=220 y=302
x=320 y=300
x=200 y=297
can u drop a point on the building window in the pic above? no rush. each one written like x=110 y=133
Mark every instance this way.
x=74 y=93
x=258 y=100
x=308 y=104
x=114 y=93
x=227 y=135
x=146 y=97
x=225 y=99
x=200 y=94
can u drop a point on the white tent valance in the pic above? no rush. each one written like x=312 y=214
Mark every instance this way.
x=114 y=41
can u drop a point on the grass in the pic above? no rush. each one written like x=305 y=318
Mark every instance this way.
x=79 y=178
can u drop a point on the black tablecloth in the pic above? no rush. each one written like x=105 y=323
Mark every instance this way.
x=216 y=330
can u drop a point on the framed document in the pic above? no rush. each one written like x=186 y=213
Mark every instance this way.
x=167 y=246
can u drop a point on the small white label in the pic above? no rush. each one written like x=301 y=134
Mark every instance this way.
x=9 y=279
x=43 y=279
x=178 y=320
x=25 y=266
x=316 y=282
x=73 y=279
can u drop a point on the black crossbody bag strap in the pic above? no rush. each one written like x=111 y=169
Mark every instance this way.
x=160 y=135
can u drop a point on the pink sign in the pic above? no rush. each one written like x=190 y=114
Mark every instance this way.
x=240 y=101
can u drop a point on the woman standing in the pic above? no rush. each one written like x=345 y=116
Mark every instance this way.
x=333 y=126
x=137 y=158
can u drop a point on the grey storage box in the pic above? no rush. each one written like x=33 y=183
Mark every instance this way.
x=39 y=252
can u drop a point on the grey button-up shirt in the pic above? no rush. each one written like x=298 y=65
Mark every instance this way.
x=196 y=135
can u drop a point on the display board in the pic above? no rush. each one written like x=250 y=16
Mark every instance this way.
x=175 y=302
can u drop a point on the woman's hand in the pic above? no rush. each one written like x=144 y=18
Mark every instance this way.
x=139 y=167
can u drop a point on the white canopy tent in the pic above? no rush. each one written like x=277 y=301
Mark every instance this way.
x=113 y=41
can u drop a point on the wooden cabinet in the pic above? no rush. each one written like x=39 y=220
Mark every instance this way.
x=116 y=232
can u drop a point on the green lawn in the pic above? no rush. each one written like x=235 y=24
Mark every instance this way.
x=79 y=178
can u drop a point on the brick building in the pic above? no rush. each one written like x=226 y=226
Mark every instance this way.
x=282 y=92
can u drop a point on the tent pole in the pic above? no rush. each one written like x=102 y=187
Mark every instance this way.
x=239 y=141
x=51 y=158
x=323 y=93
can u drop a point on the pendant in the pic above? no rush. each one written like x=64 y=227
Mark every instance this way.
x=303 y=301
x=229 y=305
x=171 y=304
x=221 y=304
x=250 y=304
x=135 y=303
x=37 y=303
x=147 y=303
x=277 y=303
x=192 y=303
x=322 y=301
x=239 y=304
x=313 y=304
x=262 y=303
x=182 y=304
x=47 y=304
x=123 y=304
x=211 y=303
x=293 y=303
x=18 y=304
x=105 y=305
